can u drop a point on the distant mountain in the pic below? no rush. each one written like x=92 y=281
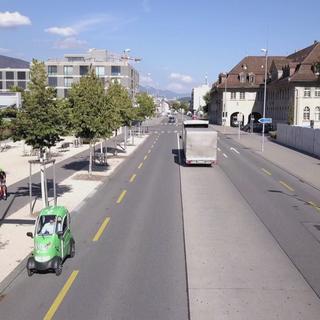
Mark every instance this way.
x=163 y=93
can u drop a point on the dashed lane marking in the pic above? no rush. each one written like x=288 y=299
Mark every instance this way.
x=122 y=195
x=145 y=157
x=219 y=149
x=314 y=205
x=235 y=150
x=286 y=186
x=132 y=178
x=58 y=300
x=266 y=171
x=101 y=229
x=225 y=155
x=140 y=165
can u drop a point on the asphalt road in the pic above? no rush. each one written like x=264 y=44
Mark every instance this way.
x=287 y=206
x=136 y=268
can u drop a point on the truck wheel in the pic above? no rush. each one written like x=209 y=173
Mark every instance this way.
x=58 y=269
x=30 y=272
x=72 y=248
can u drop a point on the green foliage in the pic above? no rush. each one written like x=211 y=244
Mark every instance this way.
x=87 y=107
x=120 y=103
x=207 y=98
x=146 y=107
x=39 y=121
x=10 y=112
x=185 y=106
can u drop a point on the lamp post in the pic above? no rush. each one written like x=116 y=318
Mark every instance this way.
x=224 y=103
x=264 y=96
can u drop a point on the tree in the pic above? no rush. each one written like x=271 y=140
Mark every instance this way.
x=118 y=98
x=146 y=106
x=87 y=102
x=176 y=105
x=39 y=122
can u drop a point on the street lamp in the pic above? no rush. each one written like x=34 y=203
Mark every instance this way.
x=225 y=101
x=264 y=96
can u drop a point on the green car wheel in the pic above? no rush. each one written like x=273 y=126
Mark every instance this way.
x=58 y=269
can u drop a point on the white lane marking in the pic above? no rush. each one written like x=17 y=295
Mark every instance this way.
x=219 y=149
x=175 y=131
x=235 y=150
x=225 y=155
x=162 y=131
x=179 y=148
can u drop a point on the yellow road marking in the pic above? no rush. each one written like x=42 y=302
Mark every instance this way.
x=133 y=177
x=266 y=171
x=145 y=157
x=140 y=165
x=101 y=229
x=56 y=303
x=314 y=205
x=123 y=193
x=286 y=186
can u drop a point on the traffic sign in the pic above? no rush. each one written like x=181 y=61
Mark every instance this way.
x=265 y=120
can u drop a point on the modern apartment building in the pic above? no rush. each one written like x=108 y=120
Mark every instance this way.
x=13 y=73
x=109 y=67
x=197 y=95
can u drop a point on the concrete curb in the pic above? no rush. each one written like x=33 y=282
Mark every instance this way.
x=6 y=282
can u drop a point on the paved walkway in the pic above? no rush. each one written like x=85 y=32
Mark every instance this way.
x=305 y=167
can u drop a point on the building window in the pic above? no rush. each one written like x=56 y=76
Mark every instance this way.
x=52 y=70
x=0 y=75
x=1 y=85
x=306 y=113
x=9 y=84
x=317 y=114
x=242 y=77
x=242 y=95
x=66 y=93
x=68 y=70
x=307 y=92
x=233 y=95
x=21 y=75
x=100 y=71
x=317 y=92
x=53 y=81
x=9 y=75
x=22 y=84
x=68 y=82
x=84 y=70
x=251 y=78
x=115 y=70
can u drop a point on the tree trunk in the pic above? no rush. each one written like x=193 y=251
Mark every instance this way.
x=125 y=137
x=90 y=158
x=44 y=191
x=106 y=151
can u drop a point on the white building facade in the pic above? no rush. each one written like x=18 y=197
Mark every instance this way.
x=197 y=95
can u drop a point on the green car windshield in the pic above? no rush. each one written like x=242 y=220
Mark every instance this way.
x=46 y=225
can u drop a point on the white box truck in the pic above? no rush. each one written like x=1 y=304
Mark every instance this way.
x=199 y=142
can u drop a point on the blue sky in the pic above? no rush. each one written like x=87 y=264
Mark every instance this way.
x=178 y=41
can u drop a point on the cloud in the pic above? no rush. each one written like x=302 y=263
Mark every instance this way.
x=181 y=77
x=70 y=43
x=146 y=6
x=13 y=19
x=175 y=86
x=4 y=50
x=146 y=80
x=64 y=32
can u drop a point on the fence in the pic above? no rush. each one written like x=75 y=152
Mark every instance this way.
x=300 y=138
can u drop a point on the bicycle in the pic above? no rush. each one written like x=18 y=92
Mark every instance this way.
x=3 y=191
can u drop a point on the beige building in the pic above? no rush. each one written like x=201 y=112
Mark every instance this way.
x=293 y=90
x=239 y=91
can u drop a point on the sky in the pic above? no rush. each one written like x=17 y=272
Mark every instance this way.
x=179 y=42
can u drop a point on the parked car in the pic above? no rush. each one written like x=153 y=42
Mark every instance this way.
x=257 y=127
x=172 y=119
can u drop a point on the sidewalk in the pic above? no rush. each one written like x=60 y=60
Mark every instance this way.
x=236 y=269
x=14 y=245
x=298 y=164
